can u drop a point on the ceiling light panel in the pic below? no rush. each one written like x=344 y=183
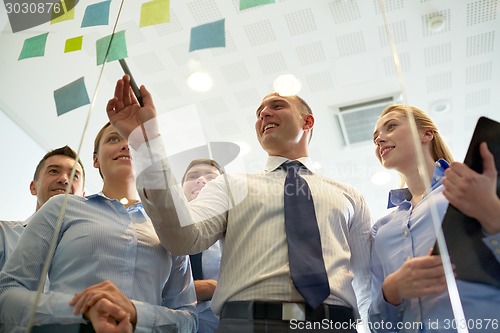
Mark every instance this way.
x=429 y=30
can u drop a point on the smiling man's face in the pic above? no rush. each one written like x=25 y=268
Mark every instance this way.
x=53 y=178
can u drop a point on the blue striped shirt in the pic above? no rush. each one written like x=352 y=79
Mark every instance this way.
x=99 y=240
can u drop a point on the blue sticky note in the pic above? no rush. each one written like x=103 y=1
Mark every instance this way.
x=207 y=36
x=117 y=50
x=96 y=14
x=71 y=96
x=34 y=47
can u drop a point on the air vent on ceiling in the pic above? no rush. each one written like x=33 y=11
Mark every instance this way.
x=356 y=121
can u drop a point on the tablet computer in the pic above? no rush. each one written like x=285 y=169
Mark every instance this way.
x=464 y=235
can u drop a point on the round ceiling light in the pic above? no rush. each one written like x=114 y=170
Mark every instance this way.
x=200 y=81
x=287 y=85
x=436 y=23
x=441 y=106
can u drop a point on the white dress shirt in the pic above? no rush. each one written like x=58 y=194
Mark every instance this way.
x=249 y=216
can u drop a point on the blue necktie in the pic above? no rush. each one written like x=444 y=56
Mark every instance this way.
x=305 y=256
x=196 y=266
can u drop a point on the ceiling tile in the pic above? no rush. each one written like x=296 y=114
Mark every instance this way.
x=260 y=33
x=437 y=54
x=311 y=53
x=300 y=22
x=478 y=73
x=438 y=82
x=350 y=44
x=204 y=11
x=344 y=11
x=481 y=11
x=272 y=63
x=480 y=44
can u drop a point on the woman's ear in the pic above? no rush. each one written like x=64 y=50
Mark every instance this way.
x=427 y=136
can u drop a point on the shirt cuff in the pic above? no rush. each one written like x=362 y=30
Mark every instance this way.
x=145 y=317
x=148 y=153
x=493 y=243
x=63 y=311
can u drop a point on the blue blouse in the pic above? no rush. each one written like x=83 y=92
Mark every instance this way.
x=408 y=232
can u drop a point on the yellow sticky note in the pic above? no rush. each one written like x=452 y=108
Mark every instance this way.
x=68 y=14
x=155 y=12
x=73 y=44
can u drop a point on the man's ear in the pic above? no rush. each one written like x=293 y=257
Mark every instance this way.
x=32 y=187
x=308 y=122
x=96 y=162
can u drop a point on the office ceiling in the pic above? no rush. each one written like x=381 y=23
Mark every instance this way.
x=449 y=53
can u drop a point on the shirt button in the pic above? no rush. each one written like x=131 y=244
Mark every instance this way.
x=405 y=233
x=408 y=258
x=497 y=251
x=494 y=242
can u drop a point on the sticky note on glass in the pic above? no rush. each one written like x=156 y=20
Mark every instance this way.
x=96 y=14
x=117 y=50
x=73 y=44
x=34 y=47
x=208 y=36
x=245 y=4
x=71 y=96
x=63 y=14
x=155 y=12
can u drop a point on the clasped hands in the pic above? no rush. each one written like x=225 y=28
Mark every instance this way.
x=106 y=307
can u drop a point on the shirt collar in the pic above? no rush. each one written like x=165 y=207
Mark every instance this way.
x=400 y=195
x=274 y=162
x=103 y=196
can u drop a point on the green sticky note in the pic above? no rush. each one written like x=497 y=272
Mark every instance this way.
x=96 y=14
x=155 y=12
x=207 y=36
x=73 y=44
x=117 y=50
x=71 y=96
x=34 y=47
x=245 y=4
